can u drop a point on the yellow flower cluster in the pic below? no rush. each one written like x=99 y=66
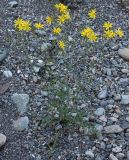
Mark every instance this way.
x=64 y=13
x=61 y=44
x=92 y=14
x=109 y=33
x=49 y=20
x=90 y=34
x=22 y=25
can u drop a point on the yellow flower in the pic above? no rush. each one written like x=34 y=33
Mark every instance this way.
x=57 y=30
x=107 y=25
x=49 y=20
x=119 y=32
x=86 y=31
x=18 y=22
x=61 y=44
x=22 y=25
x=67 y=16
x=61 y=19
x=38 y=25
x=61 y=8
x=92 y=13
x=93 y=37
x=109 y=34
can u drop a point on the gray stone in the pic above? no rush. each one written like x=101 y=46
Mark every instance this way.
x=113 y=129
x=40 y=32
x=21 y=124
x=124 y=81
x=13 y=4
x=3 y=55
x=112 y=157
x=45 y=47
x=2 y=139
x=89 y=153
x=127 y=155
x=124 y=53
x=102 y=94
x=125 y=99
x=127 y=119
x=21 y=101
x=116 y=149
x=100 y=111
x=125 y=71
x=117 y=97
x=44 y=93
x=7 y=74
x=36 y=69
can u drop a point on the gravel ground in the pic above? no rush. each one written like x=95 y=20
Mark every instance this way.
x=92 y=80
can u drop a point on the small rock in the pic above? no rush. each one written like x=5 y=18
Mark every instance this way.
x=21 y=101
x=89 y=153
x=3 y=54
x=125 y=99
x=13 y=4
x=120 y=156
x=40 y=32
x=115 y=47
x=36 y=69
x=21 y=124
x=117 y=149
x=44 y=93
x=102 y=94
x=117 y=97
x=127 y=119
x=7 y=74
x=2 y=139
x=124 y=53
x=113 y=129
x=112 y=157
x=125 y=71
x=100 y=111
x=127 y=155
x=45 y=47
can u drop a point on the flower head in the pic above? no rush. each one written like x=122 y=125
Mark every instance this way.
x=109 y=34
x=119 y=32
x=90 y=34
x=57 y=30
x=64 y=17
x=61 y=44
x=61 y=8
x=38 y=25
x=49 y=20
x=22 y=25
x=107 y=25
x=92 y=13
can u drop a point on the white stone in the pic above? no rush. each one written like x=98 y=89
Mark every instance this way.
x=2 y=139
x=113 y=129
x=124 y=53
x=21 y=124
x=89 y=153
x=7 y=74
x=116 y=149
x=125 y=99
x=100 y=111
x=112 y=157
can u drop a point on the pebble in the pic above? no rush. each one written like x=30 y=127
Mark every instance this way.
x=117 y=149
x=13 y=4
x=21 y=124
x=127 y=119
x=102 y=94
x=127 y=155
x=21 y=101
x=36 y=69
x=45 y=47
x=117 y=97
x=112 y=157
x=113 y=129
x=7 y=74
x=89 y=153
x=124 y=53
x=100 y=111
x=2 y=139
x=3 y=55
x=125 y=99
x=125 y=71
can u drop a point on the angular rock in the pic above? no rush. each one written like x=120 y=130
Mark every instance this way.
x=89 y=153
x=124 y=53
x=3 y=55
x=21 y=101
x=2 y=139
x=102 y=94
x=125 y=99
x=112 y=157
x=21 y=124
x=13 y=4
x=112 y=129
x=7 y=74
x=100 y=111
